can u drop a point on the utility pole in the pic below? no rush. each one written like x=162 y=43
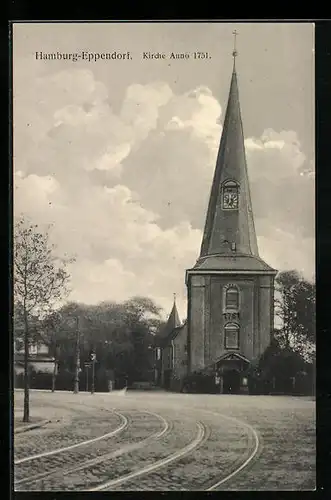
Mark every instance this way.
x=77 y=367
x=93 y=359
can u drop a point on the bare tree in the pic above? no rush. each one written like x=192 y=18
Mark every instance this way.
x=40 y=281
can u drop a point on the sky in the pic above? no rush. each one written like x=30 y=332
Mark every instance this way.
x=119 y=154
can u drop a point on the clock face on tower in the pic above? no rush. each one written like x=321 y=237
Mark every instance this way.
x=230 y=195
x=230 y=200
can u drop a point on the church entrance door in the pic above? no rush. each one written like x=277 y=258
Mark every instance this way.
x=231 y=382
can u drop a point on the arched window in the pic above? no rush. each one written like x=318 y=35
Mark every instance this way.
x=232 y=298
x=230 y=195
x=231 y=336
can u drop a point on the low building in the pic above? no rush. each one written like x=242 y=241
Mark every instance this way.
x=178 y=342
x=172 y=353
x=40 y=361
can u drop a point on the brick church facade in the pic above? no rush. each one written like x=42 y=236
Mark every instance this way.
x=230 y=289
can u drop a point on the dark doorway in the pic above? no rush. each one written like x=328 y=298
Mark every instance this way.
x=231 y=382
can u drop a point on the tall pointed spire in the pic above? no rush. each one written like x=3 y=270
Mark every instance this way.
x=229 y=227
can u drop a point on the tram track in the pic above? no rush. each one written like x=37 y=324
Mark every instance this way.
x=65 y=421
x=45 y=437
x=255 y=449
x=178 y=475
x=200 y=436
x=65 y=468
x=234 y=456
x=142 y=474
x=123 y=425
x=176 y=457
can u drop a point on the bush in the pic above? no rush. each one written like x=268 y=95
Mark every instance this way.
x=199 y=382
x=41 y=380
x=19 y=381
x=175 y=384
x=282 y=371
x=121 y=381
x=65 y=381
x=38 y=380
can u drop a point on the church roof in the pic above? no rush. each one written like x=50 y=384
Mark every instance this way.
x=232 y=262
x=173 y=320
x=230 y=231
x=171 y=335
x=231 y=356
x=172 y=323
x=176 y=331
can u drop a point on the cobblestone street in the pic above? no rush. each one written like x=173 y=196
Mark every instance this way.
x=164 y=441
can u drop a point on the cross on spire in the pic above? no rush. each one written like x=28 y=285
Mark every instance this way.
x=235 y=53
x=174 y=297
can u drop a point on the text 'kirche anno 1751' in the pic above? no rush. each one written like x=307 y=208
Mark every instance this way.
x=175 y=55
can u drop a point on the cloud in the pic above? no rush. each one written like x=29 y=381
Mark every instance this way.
x=141 y=105
x=94 y=282
x=282 y=185
x=36 y=196
x=202 y=120
x=281 y=248
x=120 y=249
x=128 y=191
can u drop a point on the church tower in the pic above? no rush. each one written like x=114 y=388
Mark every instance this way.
x=230 y=288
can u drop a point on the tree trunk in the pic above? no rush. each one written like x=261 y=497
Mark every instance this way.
x=26 y=411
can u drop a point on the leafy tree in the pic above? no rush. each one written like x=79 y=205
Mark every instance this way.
x=292 y=349
x=295 y=306
x=51 y=333
x=279 y=366
x=122 y=336
x=143 y=318
x=65 y=331
x=40 y=281
x=305 y=303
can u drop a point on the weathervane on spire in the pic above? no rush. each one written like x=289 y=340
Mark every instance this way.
x=234 y=53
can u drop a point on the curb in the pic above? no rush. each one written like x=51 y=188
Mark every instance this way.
x=30 y=427
x=115 y=391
